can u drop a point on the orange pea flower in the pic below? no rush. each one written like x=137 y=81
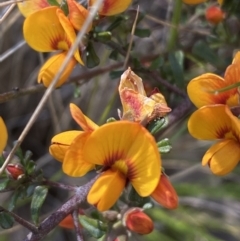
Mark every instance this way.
x=137 y=221
x=4 y=135
x=136 y=105
x=61 y=142
x=126 y=151
x=203 y=90
x=165 y=193
x=216 y=122
x=48 y=34
x=111 y=7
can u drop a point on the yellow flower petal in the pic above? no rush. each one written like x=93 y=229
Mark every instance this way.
x=61 y=142
x=4 y=135
x=51 y=67
x=29 y=7
x=81 y=119
x=193 y=1
x=201 y=90
x=73 y=164
x=77 y=14
x=106 y=190
x=129 y=148
x=214 y=122
x=222 y=157
x=112 y=7
x=43 y=31
x=69 y=34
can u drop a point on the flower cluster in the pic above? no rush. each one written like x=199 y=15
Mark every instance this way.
x=124 y=152
x=50 y=28
x=215 y=96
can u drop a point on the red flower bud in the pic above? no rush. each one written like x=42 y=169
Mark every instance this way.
x=165 y=194
x=14 y=171
x=137 y=221
x=214 y=15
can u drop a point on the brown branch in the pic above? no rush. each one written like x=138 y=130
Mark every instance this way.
x=81 y=79
x=55 y=218
x=77 y=225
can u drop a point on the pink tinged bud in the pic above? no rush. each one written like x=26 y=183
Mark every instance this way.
x=137 y=221
x=14 y=171
x=165 y=193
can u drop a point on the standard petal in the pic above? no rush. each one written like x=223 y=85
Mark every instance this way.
x=222 y=157
x=81 y=119
x=202 y=90
x=213 y=122
x=43 y=31
x=69 y=34
x=4 y=135
x=61 y=142
x=112 y=7
x=130 y=148
x=74 y=164
x=52 y=66
x=106 y=190
x=130 y=80
x=77 y=14
x=29 y=7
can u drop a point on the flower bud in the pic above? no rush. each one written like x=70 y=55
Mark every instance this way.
x=14 y=171
x=137 y=221
x=165 y=194
x=214 y=15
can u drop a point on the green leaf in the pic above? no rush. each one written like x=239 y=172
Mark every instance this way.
x=164 y=146
x=156 y=63
x=64 y=7
x=156 y=125
x=116 y=74
x=176 y=64
x=142 y=33
x=103 y=36
x=202 y=50
x=114 y=55
x=95 y=227
x=39 y=196
x=92 y=58
x=136 y=200
x=232 y=6
x=26 y=158
x=115 y=23
x=4 y=184
x=53 y=3
x=13 y=200
x=6 y=221
x=30 y=167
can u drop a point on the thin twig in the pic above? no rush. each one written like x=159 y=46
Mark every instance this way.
x=131 y=40
x=59 y=185
x=55 y=218
x=77 y=226
x=7 y=13
x=20 y=220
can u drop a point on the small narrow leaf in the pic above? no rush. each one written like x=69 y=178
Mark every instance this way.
x=53 y=3
x=164 y=146
x=156 y=125
x=136 y=200
x=39 y=195
x=95 y=227
x=92 y=58
x=142 y=33
x=4 y=184
x=6 y=221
